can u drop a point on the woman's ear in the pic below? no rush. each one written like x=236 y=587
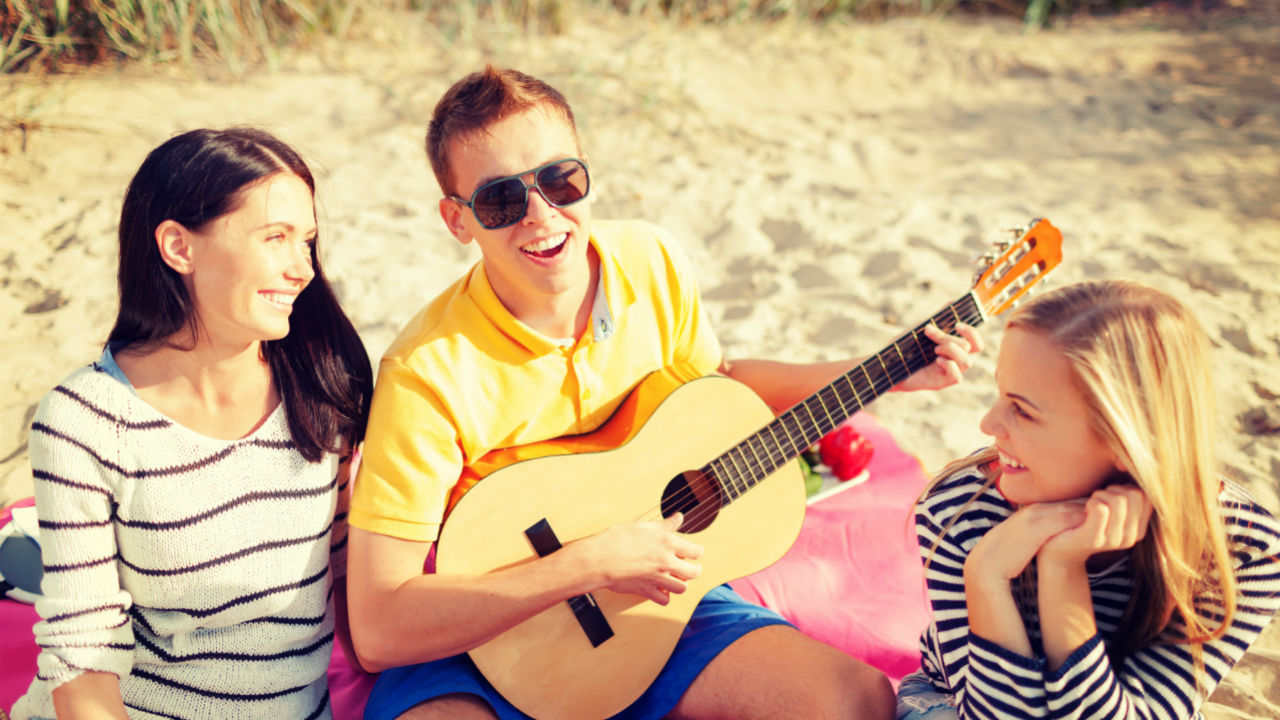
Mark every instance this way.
x=176 y=249
x=451 y=212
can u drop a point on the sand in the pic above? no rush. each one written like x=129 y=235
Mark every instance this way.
x=831 y=184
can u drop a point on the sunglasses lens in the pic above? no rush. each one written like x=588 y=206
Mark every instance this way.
x=501 y=203
x=20 y=563
x=564 y=183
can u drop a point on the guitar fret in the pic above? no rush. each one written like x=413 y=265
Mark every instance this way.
x=776 y=458
x=807 y=430
x=725 y=481
x=809 y=426
x=789 y=427
x=763 y=463
x=900 y=355
x=858 y=388
x=785 y=422
x=870 y=383
x=825 y=423
x=831 y=422
x=773 y=434
x=883 y=367
x=924 y=353
x=840 y=397
x=873 y=386
x=740 y=470
x=751 y=463
x=735 y=474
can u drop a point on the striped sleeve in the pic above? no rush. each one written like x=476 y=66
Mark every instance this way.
x=338 y=538
x=1160 y=682
x=84 y=624
x=988 y=680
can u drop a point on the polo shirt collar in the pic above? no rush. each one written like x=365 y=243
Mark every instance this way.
x=614 y=292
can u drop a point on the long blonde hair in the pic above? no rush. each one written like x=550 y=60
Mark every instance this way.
x=1140 y=360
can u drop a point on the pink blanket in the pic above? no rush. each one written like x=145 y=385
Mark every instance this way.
x=852 y=580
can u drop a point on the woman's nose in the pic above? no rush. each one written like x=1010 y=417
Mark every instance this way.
x=300 y=266
x=989 y=424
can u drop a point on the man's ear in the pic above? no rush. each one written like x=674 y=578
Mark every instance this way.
x=451 y=212
x=176 y=249
x=595 y=186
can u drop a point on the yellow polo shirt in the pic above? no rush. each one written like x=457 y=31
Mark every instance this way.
x=465 y=377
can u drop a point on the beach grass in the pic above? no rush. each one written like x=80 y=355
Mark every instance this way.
x=60 y=34
x=231 y=37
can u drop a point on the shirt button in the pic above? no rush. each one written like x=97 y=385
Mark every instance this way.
x=586 y=394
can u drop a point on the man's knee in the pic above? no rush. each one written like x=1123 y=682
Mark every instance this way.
x=869 y=694
x=451 y=707
x=777 y=672
x=848 y=690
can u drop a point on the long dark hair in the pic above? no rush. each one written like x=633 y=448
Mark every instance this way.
x=321 y=368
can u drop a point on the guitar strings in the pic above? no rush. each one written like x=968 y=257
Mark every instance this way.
x=859 y=381
x=726 y=466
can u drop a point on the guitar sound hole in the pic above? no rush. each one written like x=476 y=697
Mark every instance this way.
x=697 y=496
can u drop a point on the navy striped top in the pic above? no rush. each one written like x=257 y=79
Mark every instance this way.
x=1156 y=682
x=198 y=570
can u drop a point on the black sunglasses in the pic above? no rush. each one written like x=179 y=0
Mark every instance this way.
x=503 y=202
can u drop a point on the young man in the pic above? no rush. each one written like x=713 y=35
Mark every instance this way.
x=543 y=338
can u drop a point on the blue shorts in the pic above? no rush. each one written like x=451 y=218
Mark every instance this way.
x=721 y=618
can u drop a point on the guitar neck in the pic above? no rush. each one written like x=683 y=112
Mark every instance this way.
x=781 y=441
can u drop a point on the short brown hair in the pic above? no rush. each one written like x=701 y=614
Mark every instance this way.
x=479 y=100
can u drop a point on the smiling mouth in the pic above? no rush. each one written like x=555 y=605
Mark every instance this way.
x=546 y=247
x=1010 y=462
x=280 y=301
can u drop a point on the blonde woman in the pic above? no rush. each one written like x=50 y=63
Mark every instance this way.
x=1092 y=563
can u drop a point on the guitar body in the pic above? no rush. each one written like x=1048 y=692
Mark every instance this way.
x=546 y=666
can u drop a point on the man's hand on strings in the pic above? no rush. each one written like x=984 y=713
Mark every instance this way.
x=955 y=356
x=649 y=559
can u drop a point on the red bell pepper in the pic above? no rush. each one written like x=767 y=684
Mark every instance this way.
x=845 y=451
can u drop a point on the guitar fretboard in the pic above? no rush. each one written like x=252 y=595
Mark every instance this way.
x=782 y=440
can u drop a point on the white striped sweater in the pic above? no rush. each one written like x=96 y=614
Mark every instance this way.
x=1157 y=682
x=199 y=571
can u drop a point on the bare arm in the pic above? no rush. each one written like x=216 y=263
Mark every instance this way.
x=783 y=384
x=401 y=616
x=90 y=696
x=999 y=557
x=342 y=624
x=1116 y=519
x=338 y=555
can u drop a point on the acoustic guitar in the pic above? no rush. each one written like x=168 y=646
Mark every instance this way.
x=705 y=446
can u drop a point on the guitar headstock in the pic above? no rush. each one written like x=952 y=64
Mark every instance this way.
x=1012 y=268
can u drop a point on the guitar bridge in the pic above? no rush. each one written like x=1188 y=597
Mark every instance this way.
x=584 y=607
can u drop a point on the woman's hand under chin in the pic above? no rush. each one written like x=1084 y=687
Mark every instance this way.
x=1116 y=518
x=1007 y=548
